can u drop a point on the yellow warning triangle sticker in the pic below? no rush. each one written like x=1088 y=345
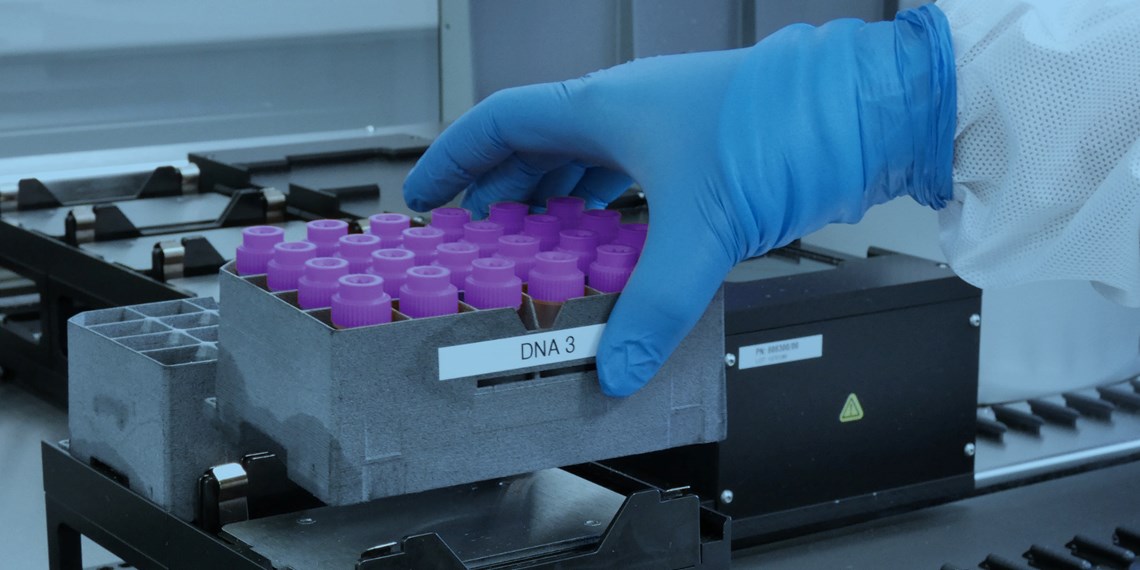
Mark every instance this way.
x=852 y=410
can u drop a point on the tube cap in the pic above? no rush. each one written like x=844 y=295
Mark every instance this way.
x=611 y=271
x=325 y=233
x=428 y=292
x=256 y=248
x=568 y=210
x=632 y=235
x=605 y=223
x=520 y=249
x=288 y=264
x=493 y=284
x=316 y=287
x=392 y=265
x=456 y=257
x=451 y=221
x=422 y=242
x=583 y=243
x=543 y=227
x=510 y=215
x=360 y=301
x=389 y=227
x=483 y=234
x=357 y=250
x=556 y=277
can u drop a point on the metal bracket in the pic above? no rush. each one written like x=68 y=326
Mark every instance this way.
x=274 y=205
x=83 y=218
x=222 y=495
x=169 y=259
x=190 y=173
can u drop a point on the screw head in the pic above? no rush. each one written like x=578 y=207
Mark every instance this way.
x=418 y=219
x=969 y=450
x=943 y=266
x=726 y=496
x=306 y=520
x=730 y=360
x=65 y=444
x=975 y=320
x=593 y=522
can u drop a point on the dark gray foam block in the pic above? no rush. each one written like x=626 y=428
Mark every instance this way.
x=361 y=413
x=136 y=387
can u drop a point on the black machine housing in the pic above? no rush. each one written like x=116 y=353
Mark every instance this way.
x=896 y=333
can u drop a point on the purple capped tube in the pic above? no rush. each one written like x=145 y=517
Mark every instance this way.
x=568 y=210
x=543 y=227
x=456 y=257
x=422 y=242
x=605 y=223
x=389 y=228
x=360 y=301
x=428 y=292
x=392 y=265
x=632 y=235
x=554 y=279
x=583 y=243
x=493 y=284
x=325 y=233
x=520 y=249
x=256 y=248
x=483 y=234
x=357 y=250
x=510 y=215
x=316 y=287
x=451 y=221
x=288 y=264
x=611 y=270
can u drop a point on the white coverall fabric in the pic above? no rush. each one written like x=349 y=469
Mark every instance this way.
x=1047 y=148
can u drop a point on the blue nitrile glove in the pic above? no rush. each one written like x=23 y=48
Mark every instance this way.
x=738 y=152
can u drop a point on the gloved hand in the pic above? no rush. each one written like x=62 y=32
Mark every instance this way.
x=738 y=152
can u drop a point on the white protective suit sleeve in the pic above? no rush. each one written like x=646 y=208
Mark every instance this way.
x=1047 y=148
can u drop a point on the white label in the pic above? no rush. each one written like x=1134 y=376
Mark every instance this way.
x=506 y=354
x=781 y=351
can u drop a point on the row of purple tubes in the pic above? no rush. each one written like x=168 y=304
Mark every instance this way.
x=608 y=265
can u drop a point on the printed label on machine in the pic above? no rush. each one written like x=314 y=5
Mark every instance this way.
x=781 y=351
x=506 y=354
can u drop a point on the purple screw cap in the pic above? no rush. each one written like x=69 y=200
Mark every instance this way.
x=428 y=292
x=325 y=234
x=456 y=258
x=316 y=287
x=632 y=235
x=556 y=278
x=568 y=210
x=543 y=227
x=451 y=221
x=256 y=248
x=392 y=265
x=520 y=249
x=422 y=242
x=288 y=264
x=357 y=250
x=610 y=272
x=493 y=284
x=483 y=234
x=360 y=301
x=605 y=223
x=583 y=243
x=389 y=227
x=510 y=215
